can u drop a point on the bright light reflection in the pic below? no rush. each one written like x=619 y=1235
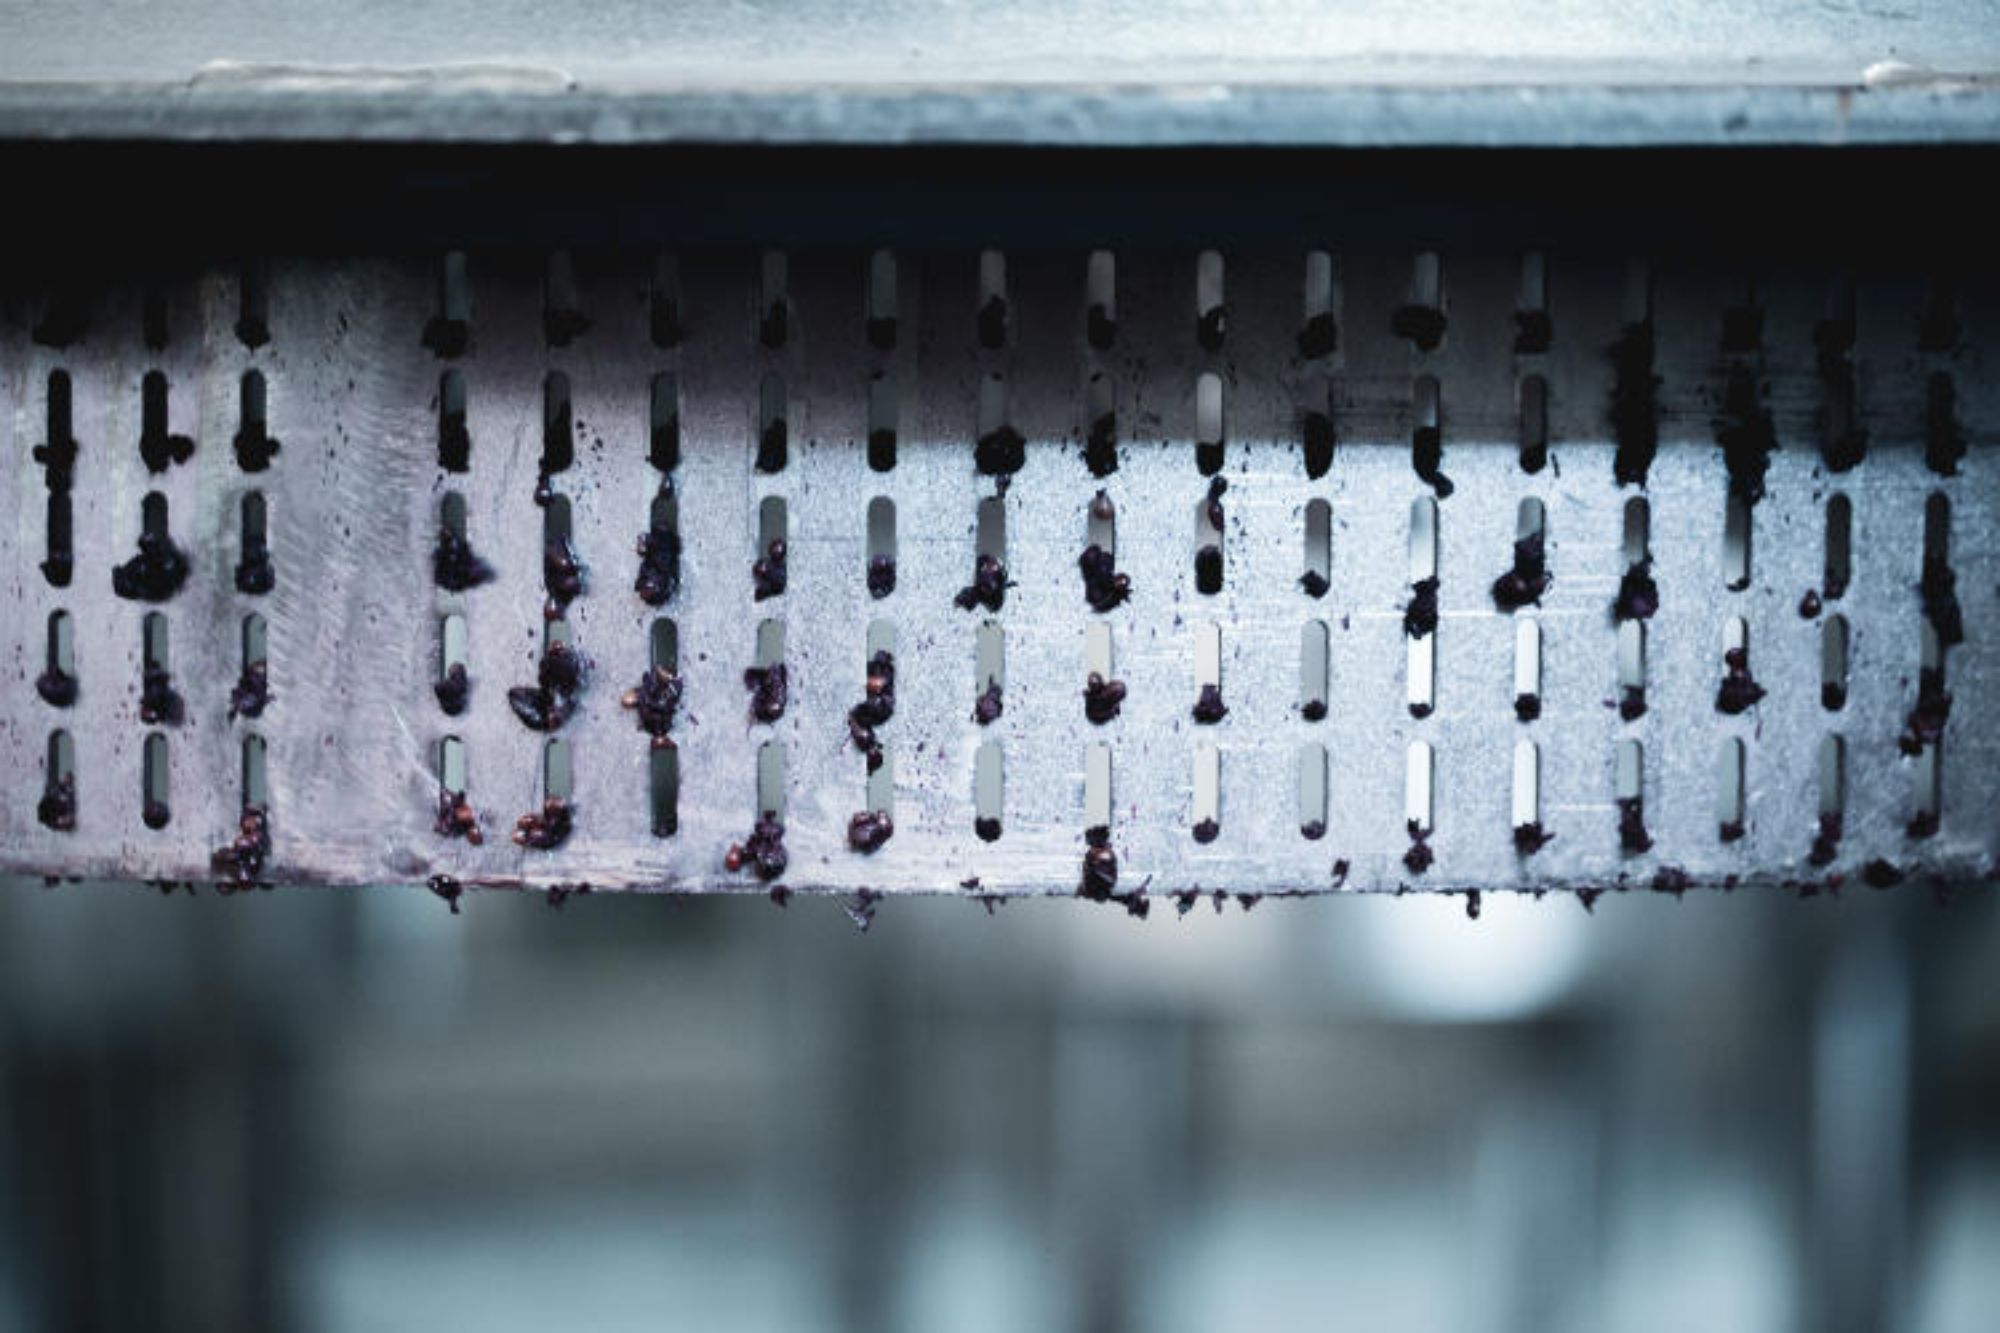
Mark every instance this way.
x=1428 y=959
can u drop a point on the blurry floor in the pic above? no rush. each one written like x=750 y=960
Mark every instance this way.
x=332 y=1111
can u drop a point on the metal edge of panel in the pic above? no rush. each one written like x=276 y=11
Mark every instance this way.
x=1136 y=116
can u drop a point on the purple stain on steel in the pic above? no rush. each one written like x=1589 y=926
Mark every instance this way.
x=1102 y=698
x=988 y=587
x=1826 y=842
x=255 y=447
x=1427 y=458
x=877 y=706
x=1745 y=432
x=881 y=575
x=1738 y=691
x=1208 y=569
x=562 y=573
x=563 y=324
x=155 y=574
x=447 y=338
x=546 y=829
x=659 y=576
x=1939 y=589
x=1845 y=442
x=1638 y=595
x=763 y=852
x=1100 y=447
x=1632 y=834
x=453 y=689
x=160 y=450
x=1420 y=614
x=1318 y=440
x=1881 y=874
x=1100 y=865
x=861 y=908
x=881 y=332
x=65 y=318
x=561 y=893
x=1423 y=325
x=57 y=807
x=57 y=687
x=1531 y=837
x=241 y=860
x=1524 y=584
x=159 y=702
x=1211 y=326
x=1944 y=437
x=1926 y=722
x=863 y=738
x=255 y=575
x=547 y=704
x=1000 y=451
x=1211 y=505
x=1104 y=588
x=1099 y=327
x=653 y=701
x=768 y=688
x=992 y=322
x=454 y=567
x=457 y=819
x=251 y=692
x=867 y=830
x=454 y=442
x=449 y=889
x=1533 y=332
x=1419 y=857
x=988 y=707
x=772 y=445
x=57 y=456
x=1318 y=336
x=767 y=575
x=1635 y=411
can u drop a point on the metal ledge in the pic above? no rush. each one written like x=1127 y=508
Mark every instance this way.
x=1609 y=73
x=1135 y=117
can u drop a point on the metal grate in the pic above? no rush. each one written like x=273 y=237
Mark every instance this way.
x=1377 y=420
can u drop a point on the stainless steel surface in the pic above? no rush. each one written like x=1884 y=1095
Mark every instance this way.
x=353 y=620
x=1238 y=71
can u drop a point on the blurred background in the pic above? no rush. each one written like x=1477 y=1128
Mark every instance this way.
x=319 y=1110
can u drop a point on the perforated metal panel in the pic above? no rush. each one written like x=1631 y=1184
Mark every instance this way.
x=355 y=620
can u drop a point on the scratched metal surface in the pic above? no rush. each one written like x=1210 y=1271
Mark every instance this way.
x=353 y=725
